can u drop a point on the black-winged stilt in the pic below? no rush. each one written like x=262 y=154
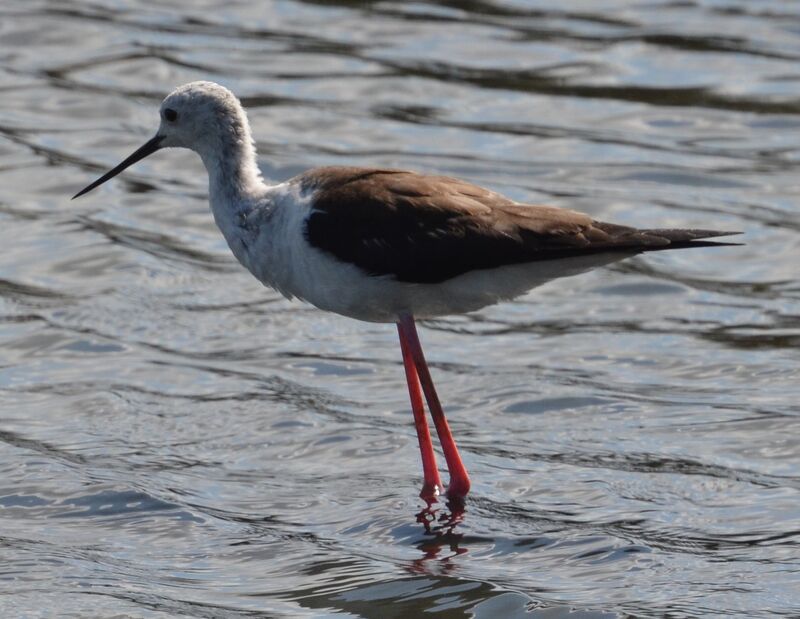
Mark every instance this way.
x=386 y=245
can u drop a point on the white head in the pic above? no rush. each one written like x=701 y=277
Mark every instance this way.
x=203 y=115
x=206 y=118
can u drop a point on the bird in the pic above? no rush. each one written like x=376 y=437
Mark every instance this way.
x=387 y=245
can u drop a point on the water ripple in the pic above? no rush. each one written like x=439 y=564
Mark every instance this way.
x=176 y=439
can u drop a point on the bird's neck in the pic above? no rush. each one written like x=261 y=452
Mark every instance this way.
x=234 y=180
x=235 y=190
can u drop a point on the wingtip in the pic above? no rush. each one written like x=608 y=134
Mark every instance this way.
x=682 y=238
x=685 y=235
x=706 y=234
x=724 y=232
x=718 y=233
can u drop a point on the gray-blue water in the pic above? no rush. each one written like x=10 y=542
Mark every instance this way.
x=178 y=441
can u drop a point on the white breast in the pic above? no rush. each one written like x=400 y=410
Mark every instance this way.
x=281 y=257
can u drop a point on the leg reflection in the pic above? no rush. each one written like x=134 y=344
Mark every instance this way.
x=440 y=524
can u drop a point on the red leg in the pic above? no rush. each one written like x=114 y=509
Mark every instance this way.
x=432 y=483
x=459 y=480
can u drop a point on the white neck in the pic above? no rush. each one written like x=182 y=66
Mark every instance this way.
x=234 y=180
x=235 y=185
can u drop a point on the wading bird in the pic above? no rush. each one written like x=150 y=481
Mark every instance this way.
x=386 y=245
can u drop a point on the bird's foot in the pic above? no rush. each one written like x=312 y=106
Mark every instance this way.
x=458 y=488
x=430 y=492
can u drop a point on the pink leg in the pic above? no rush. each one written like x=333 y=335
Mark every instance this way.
x=459 y=480
x=432 y=483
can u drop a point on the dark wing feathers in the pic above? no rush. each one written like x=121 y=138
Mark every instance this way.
x=427 y=229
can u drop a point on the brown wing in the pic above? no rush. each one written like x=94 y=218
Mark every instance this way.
x=427 y=229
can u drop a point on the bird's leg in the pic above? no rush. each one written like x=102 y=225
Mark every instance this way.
x=432 y=484
x=459 y=480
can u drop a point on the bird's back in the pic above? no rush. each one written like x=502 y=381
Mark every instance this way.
x=428 y=229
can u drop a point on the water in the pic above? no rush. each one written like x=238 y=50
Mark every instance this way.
x=176 y=440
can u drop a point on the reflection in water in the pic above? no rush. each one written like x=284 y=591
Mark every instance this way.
x=176 y=440
x=440 y=531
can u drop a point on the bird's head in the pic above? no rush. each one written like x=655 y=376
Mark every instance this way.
x=202 y=116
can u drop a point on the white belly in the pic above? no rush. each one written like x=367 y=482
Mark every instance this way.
x=334 y=286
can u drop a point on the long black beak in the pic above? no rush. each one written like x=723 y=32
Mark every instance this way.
x=147 y=149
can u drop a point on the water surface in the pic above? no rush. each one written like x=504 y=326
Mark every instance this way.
x=176 y=440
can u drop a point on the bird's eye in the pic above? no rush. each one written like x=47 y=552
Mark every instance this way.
x=170 y=114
